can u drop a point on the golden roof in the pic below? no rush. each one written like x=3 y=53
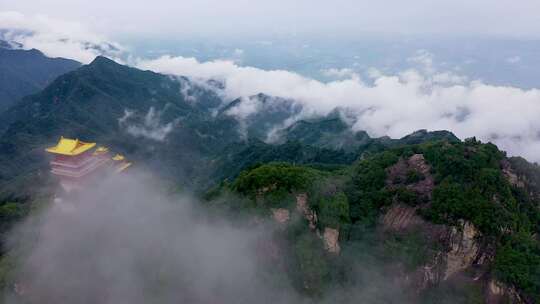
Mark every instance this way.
x=101 y=150
x=70 y=147
x=123 y=167
x=118 y=157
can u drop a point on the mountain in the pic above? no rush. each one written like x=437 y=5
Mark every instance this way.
x=334 y=133
x=24 y=72
x=164 y=122
x=437 y=222
x=141 y=113
x=261 y=115
x=426 y=218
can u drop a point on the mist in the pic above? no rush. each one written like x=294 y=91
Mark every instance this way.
x=344 y=17
x=126 y=241
x=392 y=105
x=426 y=96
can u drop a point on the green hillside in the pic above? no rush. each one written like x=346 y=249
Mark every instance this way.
x=433 y=218
x=24 y=72
x=435 y=186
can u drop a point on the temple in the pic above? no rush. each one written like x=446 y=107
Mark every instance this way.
x=75 y=161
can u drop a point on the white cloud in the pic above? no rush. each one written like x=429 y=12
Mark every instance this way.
x=393 y=105
x=238 y=52
x=166 y=18
x=56 y=38
x=339 y=73
x=246 y=107
x=150 y=126
x=425 y=62
x=513 y=59
x=424 y=59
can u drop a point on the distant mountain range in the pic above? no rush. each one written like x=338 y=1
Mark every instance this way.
x=183 y=129
x=24 y=72
x=449 y=219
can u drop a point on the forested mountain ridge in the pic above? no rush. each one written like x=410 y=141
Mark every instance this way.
x=162 y=121
x=443 y=220
x=108 y=103
x=453 y=222
x=24 y=72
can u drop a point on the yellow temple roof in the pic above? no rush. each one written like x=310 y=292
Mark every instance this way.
x=123 y=167
x=70 y=147
x=118 y=157
x=101 y=150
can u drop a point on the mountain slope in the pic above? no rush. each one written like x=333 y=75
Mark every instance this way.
x=261 y=115
x=437 y=219
x=163 y=122
x=452 y=222
x=24 y=72
x=333 y=133
x=134 y=111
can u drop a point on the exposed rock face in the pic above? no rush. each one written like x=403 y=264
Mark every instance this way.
x=461 y=243
x=266 y=189
x=430 y=273
x=331 y=240
x=418 y=162
x=398 y=176
x=281 y=215
x=425 y=186
x=330 y=236
x=510 y=175
x=463 y=248
x=495 y=288
x=401 y=217
x=499 y=293
x=303 y=208
x=456 y=252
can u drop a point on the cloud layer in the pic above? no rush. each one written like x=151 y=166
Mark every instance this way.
x=386 y=104
x=343 y=17
x=393 y=105
x=124 y=241
x=150 y=126
x=56 y=37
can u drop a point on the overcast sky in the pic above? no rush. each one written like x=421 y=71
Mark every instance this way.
x=236 y=17
x=395 y=103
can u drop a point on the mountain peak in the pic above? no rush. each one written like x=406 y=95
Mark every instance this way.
x=100 y=60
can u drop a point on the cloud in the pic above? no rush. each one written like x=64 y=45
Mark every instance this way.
x=424 y=59
x=56 y=38
x=150 y=126
x=168 y=18
x=388 y=104
x=246 y=107
x=513 y=59
x=238 y=52
x=125 y=241
x=339 y=73
x=262 y=115
x=393 y=105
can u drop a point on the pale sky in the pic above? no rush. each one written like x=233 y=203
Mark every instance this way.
x=237 y=17
x=396 y=104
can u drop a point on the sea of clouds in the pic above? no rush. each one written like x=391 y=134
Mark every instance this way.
x=384 y=104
